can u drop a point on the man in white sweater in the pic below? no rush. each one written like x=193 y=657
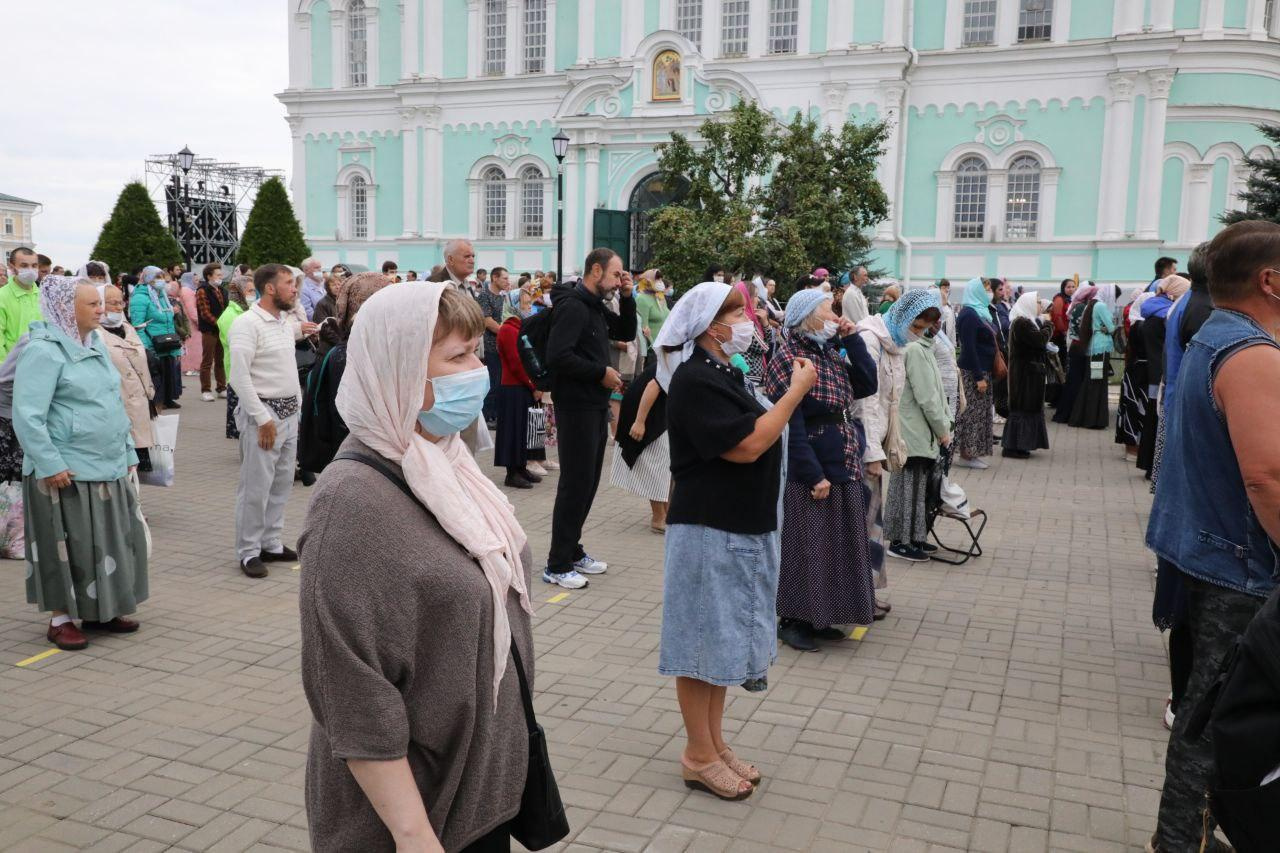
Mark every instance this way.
x=264 y=374
x=854 y=304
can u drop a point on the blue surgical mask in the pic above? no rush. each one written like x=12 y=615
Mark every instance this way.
x=459 y=399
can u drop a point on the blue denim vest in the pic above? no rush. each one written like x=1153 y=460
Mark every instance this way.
x=1201 y=519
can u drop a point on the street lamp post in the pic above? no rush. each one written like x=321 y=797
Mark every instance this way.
x=185 y=160
x=560 y=146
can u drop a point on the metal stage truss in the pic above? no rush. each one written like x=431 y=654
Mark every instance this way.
x=206 y=204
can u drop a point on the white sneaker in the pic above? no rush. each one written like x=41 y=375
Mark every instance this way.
x=222 y=395
x=208 y=397
x=568 y=580
x=191 y=373
x=589 y=565
x=536 y=468
x=551 y=465
x=975 y=462
x=1168 y=713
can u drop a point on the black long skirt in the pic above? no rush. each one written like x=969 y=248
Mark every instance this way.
x=166 y=376
x=1025 y=431
x=1092 y=409
x=1053 y=388
x=1131 y=417
x=1077 y=372
x=825 y=577
x=1147 y=443
x=510 y=446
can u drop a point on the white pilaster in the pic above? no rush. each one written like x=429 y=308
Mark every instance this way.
x=1214 y=12
x=711 y=21
x=372 y=47
x=839 y=26
x=1162 y=15
x=758 y=29
x=592 y=186
x=1061 y=22
x=410 y=26
x=549 y=66
x=1256 y=21
x=432 y=63
x=432 y=179
x=804 y=28
x=893 y=23
x=300 y=51
x=572 y=254
x=632 y=27
x=586 y=30
x=298 y=174
x=410 y=121
x=997 y=203
x=946 y=205
x=515 y=39
x=1127 y=18
x=667 y=15
x=953 y=29
x=1007 y=23
x=475 y=37
x=1195 y=223
x=834 y=98
x=1117 y=138
x=1151 y=181
x=1048 y=224
x=894 y=93
x=338 y=48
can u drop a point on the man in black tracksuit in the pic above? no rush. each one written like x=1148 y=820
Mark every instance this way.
x=581 y=380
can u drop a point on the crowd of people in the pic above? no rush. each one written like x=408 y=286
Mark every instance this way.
x=789 y=450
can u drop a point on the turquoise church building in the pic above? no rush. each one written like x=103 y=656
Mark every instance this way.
x=1034 y=139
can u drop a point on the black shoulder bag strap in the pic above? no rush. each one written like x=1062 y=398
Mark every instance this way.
x=541 y=821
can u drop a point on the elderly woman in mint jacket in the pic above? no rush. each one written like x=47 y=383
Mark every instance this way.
x=86 y=540
x=152 y=315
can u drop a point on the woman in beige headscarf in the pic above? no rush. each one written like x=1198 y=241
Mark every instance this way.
x=414 y=582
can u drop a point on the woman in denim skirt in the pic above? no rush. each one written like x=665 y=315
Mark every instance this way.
x=722 y=547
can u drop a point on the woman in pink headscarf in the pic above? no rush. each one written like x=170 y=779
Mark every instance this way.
x=184 y=296
x=754 y=361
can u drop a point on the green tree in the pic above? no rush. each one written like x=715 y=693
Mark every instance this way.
x=272 y=235
x=1262 y=193
x=770 y=198
x=134 y=237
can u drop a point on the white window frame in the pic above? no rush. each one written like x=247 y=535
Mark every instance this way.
x=784 y=27
x=973 y=19
x=10 y=229
x=1035 y=25
x=495 y=216
x=735 y=28
x=493 y=38
x=533 y=208
x=343 y=187
x=357 y=33
x=535 y=24
x=980 y=220
x=1025 y=181
x=998 y=170
x=689 y=21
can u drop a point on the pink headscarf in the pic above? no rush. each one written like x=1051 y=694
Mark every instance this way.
x=742 y=288
x=1084 y=293
x=380 y=397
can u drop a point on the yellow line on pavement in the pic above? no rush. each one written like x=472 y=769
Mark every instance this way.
x=556 y=599
x=858 y=633
x=298 y=567
x=37 y=658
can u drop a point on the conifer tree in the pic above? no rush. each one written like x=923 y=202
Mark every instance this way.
x=1262 y=193
x=134 y=236
x=272 y=235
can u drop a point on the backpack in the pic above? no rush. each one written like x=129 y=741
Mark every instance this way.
x=535 y=332
x=1242 y=711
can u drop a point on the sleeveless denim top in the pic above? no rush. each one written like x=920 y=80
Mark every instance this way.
x=1201 y=519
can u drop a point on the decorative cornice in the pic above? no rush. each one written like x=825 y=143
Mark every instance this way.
x=1122 y=83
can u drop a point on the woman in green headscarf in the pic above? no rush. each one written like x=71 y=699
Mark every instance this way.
x=977 y=340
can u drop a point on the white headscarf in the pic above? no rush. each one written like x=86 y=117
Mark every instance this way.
x=380 y=398
x=690 y=317
x=1027 y=307
x=83 y=272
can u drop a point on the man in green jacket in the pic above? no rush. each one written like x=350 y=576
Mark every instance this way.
x=19 y=298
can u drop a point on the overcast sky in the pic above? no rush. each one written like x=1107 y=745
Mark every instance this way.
x=99 y=86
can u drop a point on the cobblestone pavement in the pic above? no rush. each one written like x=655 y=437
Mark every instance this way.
x=1010 y=704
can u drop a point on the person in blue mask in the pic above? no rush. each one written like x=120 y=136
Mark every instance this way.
x=414 y=597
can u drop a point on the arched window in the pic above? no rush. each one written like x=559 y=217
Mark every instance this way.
x=359 y=207
x=495 y=37
x=784 y=26
x=970 y=211
x=495 y=202
x=357 y=44
x=531 y=202
x=689 y=20
x=1022 y=207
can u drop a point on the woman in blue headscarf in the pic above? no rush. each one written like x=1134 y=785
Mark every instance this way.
x=977 y=340
x=924 y=423
x=152 y=316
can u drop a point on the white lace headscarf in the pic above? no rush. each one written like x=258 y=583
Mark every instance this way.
x=380 y=398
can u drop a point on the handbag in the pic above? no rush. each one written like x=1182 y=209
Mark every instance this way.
x=999 y=368
x=166 y=343
x=541 y=820
x=536 y=433
x=895 y=449
x=165 y=431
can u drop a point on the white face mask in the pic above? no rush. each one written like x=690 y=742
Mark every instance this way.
x=659 y=288
x=27 y=277
x=740 y=341
x=827 y=331
x=718 y=277
x=113 y=319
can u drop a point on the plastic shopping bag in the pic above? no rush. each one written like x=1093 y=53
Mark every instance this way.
x=165 y=429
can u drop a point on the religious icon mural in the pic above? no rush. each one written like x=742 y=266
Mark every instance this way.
x=666 y=76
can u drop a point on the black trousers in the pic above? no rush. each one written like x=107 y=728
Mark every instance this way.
x=494 y=363
x=1181 y=658
x=582 y=435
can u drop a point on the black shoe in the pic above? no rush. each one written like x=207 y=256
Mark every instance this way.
x=925 y=547
x=253 y=567
x=530 y=476
x=831 y=634
x=1015 y=454
x=798 y=635
x=284 y=555
x=308 y=479
x=173 y=405
x=517 y=481
x=907 y=552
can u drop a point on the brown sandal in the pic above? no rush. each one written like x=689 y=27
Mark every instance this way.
x=716 y=779
x=747 y=771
